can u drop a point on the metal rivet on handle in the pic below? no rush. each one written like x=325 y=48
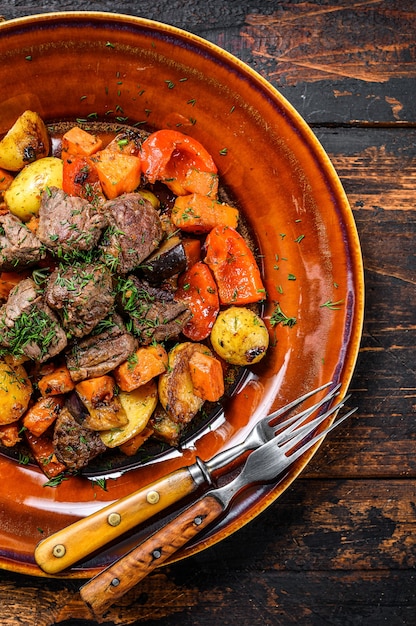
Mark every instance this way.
x=153 y=497
x=115 y=582
x=59 y=550
x=114 y=519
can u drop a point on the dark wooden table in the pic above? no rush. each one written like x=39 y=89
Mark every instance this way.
x=339 y=547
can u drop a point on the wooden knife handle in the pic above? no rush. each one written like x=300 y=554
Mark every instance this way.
x=75 y=542
x=113 y=582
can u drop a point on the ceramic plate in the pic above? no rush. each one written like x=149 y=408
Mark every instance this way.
x=114 y=67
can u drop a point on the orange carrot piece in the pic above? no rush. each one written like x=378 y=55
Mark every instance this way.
x=56 y=383
x=130 y=447
x=118 y=172
x=43 y=451
x=6 y=180
x=33 y=223
x=207 y=376
x=79 y=141
x=42 y=414
x=203 y=183
x=96 y=391
x=9 y=435
x=145 y=364
x=9 y=280
x=192 y=249
x=200 y=214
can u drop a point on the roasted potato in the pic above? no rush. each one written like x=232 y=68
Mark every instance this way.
x=239 y=336
x=23 y=197
x=176 y=391
x=26 y=141
x=138 y=405
x=15 y=392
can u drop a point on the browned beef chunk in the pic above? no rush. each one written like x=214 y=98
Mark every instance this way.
x=134 y=232
x=68 y=224
x=19 y=247
x=155 y=315
x=100 y=353
x=28 y=326
x=74 y=445
x=82 y=295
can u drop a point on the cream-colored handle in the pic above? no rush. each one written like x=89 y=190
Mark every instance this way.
x=113 y=582
x=73 y=543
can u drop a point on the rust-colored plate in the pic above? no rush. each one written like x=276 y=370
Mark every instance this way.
x=75 y=65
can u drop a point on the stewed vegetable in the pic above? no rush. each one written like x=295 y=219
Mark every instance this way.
x=125 y=285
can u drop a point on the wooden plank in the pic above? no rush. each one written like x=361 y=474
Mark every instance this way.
x=378 y=170
x=341 y=63
x=356 y=538
x=339 y=546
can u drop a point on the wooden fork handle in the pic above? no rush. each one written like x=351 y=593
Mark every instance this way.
x=113 y=582
x=73 y=543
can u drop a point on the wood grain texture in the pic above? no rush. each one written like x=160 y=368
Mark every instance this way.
x=101 y=593
x=338 y=547
x=88 y=534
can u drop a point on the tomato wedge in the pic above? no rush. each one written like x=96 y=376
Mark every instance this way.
x=234 y=267
x=197 y=288
x=169 y=156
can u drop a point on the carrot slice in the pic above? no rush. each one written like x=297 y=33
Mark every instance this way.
x=197 y=288
x=96 y=391
x=234 y=267
x=9 y=435
x=79 y=141
x=203 y=183
x=199 y=214
x=207 y=376
x=56 y=383
x=33 y=223
x=42 y=414
x=130 y=447
x=43 y=451
x=192 y=249
x=9 y=280
x=118 y=172
x=193 y=181
x=145 y=364
x=6 y=180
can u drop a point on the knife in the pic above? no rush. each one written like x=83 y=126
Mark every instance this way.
x=76 y=541
x=264 y=464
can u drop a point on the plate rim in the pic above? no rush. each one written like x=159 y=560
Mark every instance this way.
x=357 y=268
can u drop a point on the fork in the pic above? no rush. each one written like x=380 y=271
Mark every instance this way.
x=266 y=463
x=76 y=541
x=267 y=427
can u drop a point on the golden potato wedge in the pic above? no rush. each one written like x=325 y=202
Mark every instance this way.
x=26 y=141
x=239 y=336
x=138 y=405
x=15 y=392
x=165 y=427
x=23 y=197
x=176 y=391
